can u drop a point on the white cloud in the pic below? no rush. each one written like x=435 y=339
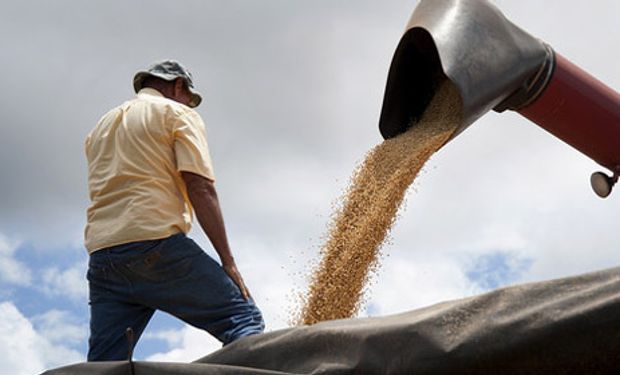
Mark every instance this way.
x=172 y=337
x=12 y=271
x=404 y=285
x=70 y=282
x=57 y=326
x=26 y=351
x=190 y=344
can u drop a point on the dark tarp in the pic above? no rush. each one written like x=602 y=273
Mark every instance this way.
x=565 y=326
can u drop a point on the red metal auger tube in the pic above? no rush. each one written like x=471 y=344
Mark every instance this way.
x=580 y=110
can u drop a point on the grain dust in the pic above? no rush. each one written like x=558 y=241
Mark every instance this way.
x=360 y=225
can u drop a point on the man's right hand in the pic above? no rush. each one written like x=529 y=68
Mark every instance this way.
x=235 y=275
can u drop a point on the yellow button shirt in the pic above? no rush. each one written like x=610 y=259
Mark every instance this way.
x=135 y=155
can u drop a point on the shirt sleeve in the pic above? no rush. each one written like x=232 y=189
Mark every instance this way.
x=190 y=145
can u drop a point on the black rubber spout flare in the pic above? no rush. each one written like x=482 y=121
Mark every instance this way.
x=491 y=62
x=414 y=77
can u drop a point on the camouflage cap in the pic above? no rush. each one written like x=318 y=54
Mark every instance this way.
x=168 y=70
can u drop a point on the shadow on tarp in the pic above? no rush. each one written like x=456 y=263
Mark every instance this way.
x=564 y=326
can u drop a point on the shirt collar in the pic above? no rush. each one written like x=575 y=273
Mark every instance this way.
x=149 y=91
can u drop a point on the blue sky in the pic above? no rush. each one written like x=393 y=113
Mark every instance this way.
x=493 y=270
x=292 y=95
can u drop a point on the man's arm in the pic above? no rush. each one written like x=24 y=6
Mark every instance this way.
x=204 y=199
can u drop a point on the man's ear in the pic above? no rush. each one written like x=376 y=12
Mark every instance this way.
x=178 y=86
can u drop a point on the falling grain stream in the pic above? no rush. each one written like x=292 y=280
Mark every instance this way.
x=369 y=209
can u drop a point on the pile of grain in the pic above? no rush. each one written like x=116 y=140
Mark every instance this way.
x=360 y=226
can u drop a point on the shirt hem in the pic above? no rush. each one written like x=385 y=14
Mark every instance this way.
x=122 y=242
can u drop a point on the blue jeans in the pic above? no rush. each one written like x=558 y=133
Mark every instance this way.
x=129 y=282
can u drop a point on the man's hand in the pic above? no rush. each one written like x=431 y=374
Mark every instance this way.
x=204 y=199
x=233 y=272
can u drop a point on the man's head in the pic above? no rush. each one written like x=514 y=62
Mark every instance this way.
x=170 y=78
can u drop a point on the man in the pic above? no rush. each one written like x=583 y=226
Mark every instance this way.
x=149 y=169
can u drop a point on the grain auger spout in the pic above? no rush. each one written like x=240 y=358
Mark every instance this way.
x=495 y=65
